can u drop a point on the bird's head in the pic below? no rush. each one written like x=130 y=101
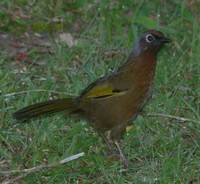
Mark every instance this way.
x=150 y=41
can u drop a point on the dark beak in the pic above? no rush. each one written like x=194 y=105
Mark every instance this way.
x=165 y=40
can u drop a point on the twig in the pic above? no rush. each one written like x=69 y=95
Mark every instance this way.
x=43 y=166
x=182 y=119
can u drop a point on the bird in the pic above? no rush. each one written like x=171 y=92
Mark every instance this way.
x=111 y=103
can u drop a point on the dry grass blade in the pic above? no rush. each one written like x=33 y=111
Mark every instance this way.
x=178 y=118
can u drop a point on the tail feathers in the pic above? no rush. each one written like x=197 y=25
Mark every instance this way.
x=45 y=108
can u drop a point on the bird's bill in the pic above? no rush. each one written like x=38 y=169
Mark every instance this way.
x=165 y=40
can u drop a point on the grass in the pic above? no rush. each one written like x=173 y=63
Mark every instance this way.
x=160 y=150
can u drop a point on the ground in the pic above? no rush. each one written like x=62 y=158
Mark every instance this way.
x=53 y=48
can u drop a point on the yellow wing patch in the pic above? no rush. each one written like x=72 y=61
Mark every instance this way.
x=102 y=91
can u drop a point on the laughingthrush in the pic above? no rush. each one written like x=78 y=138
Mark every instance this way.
x=111 y=102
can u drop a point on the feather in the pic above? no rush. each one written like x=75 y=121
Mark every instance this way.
x=102 y=91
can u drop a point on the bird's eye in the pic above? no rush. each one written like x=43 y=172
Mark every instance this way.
x=150 y=38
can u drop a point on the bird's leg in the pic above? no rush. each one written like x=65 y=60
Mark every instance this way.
x=114 y=146
x=116 y=134
x=122 y=157
x=107 y=141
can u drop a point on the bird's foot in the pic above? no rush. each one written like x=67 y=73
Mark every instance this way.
x=115 y=152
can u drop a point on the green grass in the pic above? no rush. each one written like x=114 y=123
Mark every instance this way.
x=160 y=150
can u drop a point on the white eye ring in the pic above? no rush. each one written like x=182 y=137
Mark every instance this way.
x=150 y=38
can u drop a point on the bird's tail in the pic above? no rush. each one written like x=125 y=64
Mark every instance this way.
x=45 y=108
